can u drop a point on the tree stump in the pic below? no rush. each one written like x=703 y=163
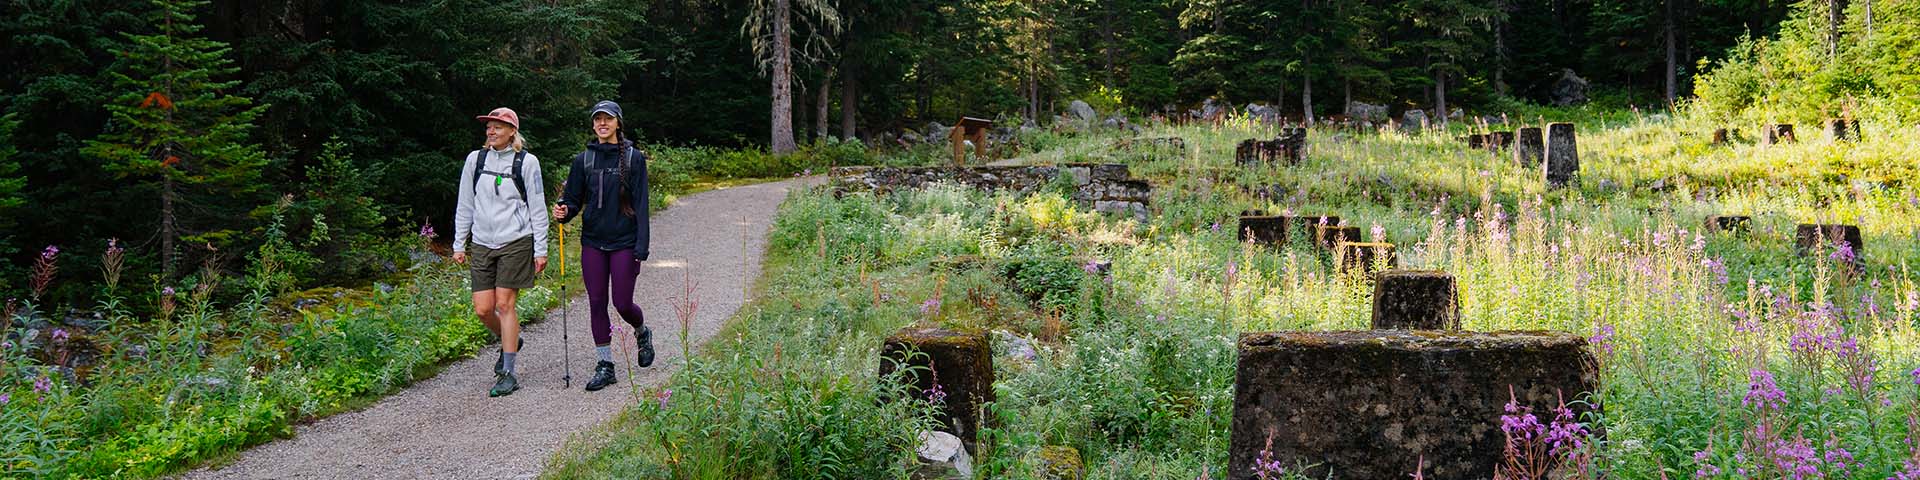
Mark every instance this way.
x=1476 y=141
x=1372 y=404
x=1778 y=133
x=960 y=363
x=1720 y=136
x=1362 y=256
x=1415 y=300
x=1529 y=149
x=1329 y=236
x=1563 y=155
x=1729 y=223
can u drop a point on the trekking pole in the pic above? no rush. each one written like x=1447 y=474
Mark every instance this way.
x=566 y=346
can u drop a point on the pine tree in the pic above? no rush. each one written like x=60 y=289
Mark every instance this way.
x=770 y=27
x=174 y=123
x=12 y=185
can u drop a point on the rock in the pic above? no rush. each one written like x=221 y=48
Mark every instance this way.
x=959 y=363
x=942 y=457
x=1455 y=114
x=1570 y=89
x=1210 y=108
x=1366 y=111
x=1370 y=404
x=1415 y=300
x=1729 y=223
x=1016 y=346
x=1061 y=463
x=1563 y=155
x=936 y=132
x=911 y=137
x=1111 y=123
x=1082 y=111
x=1415 y=118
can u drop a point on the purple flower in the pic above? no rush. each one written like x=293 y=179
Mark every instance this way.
x=937 y=395
x=42 y=384
x=1916 y=375
x=1379 y=233
x=1762 y=393
x=426 y=231
x=60 y=335
x=166 y=291
x=1215 y=228
x=930 y=306
x=1706 y=469
x=1603 y=338
x=1092 y=267
x=5 y=398
x=49 y=253
x=1843 y=253
x=664 y=395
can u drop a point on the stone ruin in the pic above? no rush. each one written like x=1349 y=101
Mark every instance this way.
x=1361 y=257
x=1415 y=300
x=1529 y=147
x=1818 y=239
x=1379 y=404
x=1290 y=147
x=1107 y=188
x=1777 y=134
x=960 y=363
x=1563 y=156
x=1729 y=223
x=1278 y=230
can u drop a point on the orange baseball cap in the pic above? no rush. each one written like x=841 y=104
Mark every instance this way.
x=502 y=114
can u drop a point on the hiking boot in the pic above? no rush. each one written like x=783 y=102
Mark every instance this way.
x=644 y=341
x=500 y=362
x=503 y=384
x=602 y=376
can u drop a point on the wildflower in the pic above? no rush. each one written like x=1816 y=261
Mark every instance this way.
x=5 y=398
x=1215 y=228
x=937 y=395
x=60 y=335
x=930 y=306
x=1762 y=393
x=1266 y=467
x=1379 y=233
x=664 y=395
x=1840 y=458
x=42 y=384
x=49 y=253
x=1706 y=469
x=1092 y=267
x=1843 y=253
x=426 y=231
x=1916 y=375
x=1603 y=338
x=166 y=291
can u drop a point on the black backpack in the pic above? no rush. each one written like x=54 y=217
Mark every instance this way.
x=519 y=181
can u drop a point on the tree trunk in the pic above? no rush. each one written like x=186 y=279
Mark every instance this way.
x=1500 y=51
x=1835 y=15
x=1869 y=18
x=1672 y=47
x=825 y=102
x=1440 y=96
x=168 y=256
x=1306 y=97
x=1346 y=106
x=849 y=106
x=782 y=80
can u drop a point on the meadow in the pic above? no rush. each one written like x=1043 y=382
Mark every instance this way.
x=1724 y=354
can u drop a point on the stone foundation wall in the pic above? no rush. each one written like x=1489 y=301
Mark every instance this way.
x=1108 y=188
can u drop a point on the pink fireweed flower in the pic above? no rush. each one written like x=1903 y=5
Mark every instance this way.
x=60 y=335
x=426 y=231
x=5 y=398
x=663 y=396
x=1706 y=470
x=930 y=306
x=1602 y=338
x=1092 y=267
x=937 y=395
x=49 y=253
x=1379 y=233
x=1843 y=253
x=42 y=384
x=1762 y=393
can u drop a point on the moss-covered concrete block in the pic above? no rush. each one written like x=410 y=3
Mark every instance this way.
x=960 y=363
x=1364 y=257
x=1370 y=404
x=1330 y=236
x=1278 y=230
x=1061 y=463
x=1729 y=223
x=1415 y=300
x=1823 y=239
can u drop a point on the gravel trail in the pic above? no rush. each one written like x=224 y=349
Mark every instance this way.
x=446 y=427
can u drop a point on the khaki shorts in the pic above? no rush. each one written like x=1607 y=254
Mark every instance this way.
x=510 y=266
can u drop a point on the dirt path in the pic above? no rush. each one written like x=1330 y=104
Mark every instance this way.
x=446 y=427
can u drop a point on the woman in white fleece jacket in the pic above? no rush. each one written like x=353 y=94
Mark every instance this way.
x=502 y=215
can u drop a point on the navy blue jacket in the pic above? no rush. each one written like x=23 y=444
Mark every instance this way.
x=593 y=189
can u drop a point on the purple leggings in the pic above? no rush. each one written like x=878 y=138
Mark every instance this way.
x=618 y=268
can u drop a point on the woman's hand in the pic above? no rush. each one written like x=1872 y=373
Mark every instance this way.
x=559 y=211
x=539 y=265
x=459 y=257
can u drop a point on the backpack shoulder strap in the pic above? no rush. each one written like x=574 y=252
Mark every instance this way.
x=520 y=176
x=479 y=158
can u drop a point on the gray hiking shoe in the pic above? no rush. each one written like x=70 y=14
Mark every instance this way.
x=602 y=376
x=503 y=384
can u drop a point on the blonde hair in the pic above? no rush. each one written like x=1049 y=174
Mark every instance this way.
x=519 y=142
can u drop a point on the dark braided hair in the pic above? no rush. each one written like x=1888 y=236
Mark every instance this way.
x=626 y=194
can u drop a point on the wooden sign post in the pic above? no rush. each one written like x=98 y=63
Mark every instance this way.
x=969 y=128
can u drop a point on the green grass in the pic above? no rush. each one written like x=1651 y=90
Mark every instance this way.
x=1136 y=372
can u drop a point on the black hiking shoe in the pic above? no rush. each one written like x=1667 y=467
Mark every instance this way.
x=503 y=384
x=500 y=362
x=602 y=376
x=644 y=341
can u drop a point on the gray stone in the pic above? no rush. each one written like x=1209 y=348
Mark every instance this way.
x=1570 y=89
x=1081 y=176
x=942 y=458
x=1415 y=118
x=1563 y=156
x=1371 y=404
x=1082 y=111
x=1366 y=111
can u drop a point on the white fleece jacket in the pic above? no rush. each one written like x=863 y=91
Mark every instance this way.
x=492 y=211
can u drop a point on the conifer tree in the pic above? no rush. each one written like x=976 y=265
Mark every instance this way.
x=175 y=123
